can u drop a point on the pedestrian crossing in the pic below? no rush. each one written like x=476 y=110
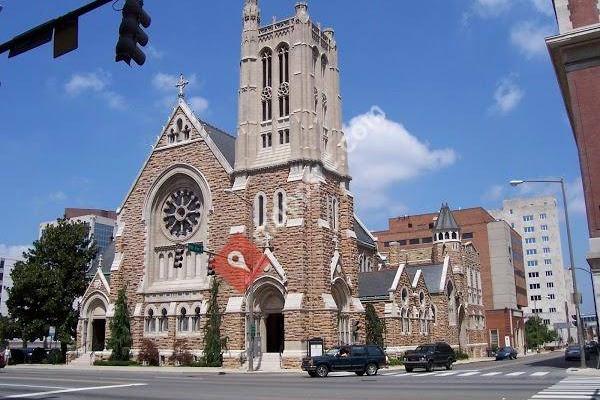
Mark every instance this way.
x=464 y=373
x=572 y=388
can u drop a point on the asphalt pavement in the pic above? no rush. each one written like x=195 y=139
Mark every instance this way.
x=535 y=377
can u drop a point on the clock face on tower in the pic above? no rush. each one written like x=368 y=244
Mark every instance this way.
x=182 y=213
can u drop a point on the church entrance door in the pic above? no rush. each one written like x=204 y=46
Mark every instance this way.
x=98 y=334
x=275 y=328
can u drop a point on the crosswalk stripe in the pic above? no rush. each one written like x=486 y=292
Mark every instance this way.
x=515 y=373
x=571 y=388
x=492 y=374
x=425 y=374
x=563 y=396
x=540 y=373
x=469 y=373
x=446 y=373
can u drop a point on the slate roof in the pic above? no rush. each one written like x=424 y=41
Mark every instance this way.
x=224 y=141
x=375 y=284
x=362 y=235
x=431 y=273
x=445 y=220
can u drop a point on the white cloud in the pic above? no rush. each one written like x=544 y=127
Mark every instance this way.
x=98 y=83
x=544 y=6
x=491 y=8
x=383 y=153
x=57 y=196
x=167 y=82
x=198 y=104
x=529 y=38
x=14 y=252
x=154 y=52
x=507 y=95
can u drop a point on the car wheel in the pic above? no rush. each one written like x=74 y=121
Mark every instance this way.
x=312 y=374
x=408 y=369
x=429 y=367
x=322 y=371
x=449 y=365
x=371 y=369
x=360 y=373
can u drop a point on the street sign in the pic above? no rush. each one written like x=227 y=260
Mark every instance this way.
x=52 y=332
x=196 y=247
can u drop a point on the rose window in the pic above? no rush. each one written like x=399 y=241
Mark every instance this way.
x=181 y=213
x=267 y=93
x=284 y=89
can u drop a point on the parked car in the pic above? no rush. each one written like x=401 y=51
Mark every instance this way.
x=2 y=361
x=359 y=359
x=573 y=353
x=506 y=352
x=429 y=356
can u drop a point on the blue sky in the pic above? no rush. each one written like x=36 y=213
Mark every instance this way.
x=459 y=97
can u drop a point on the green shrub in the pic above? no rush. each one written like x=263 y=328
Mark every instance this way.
x=395 y=361
x=461 y=355
x=109 y=363
x=198 y=364
x=55 y=356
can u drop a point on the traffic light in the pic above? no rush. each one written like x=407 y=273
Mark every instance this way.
x=211 y=268
x=131 y=34
x=178 y=263
x=574 y=320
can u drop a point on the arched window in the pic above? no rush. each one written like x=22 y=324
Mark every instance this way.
x=451 y=304
x=184 y=320
x=404 y=295
x=454 y=235
x=421 y=297
x=196 y=320
x=284 y=80
x=150 y=322
x=433 y=315
x=259 y=210
x=315 y=60
x=279 y=208
x=267 y=92
x=333 y=212
x=163 y=321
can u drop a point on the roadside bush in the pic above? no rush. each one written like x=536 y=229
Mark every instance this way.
x=395 y=361
x=55 y=356
x=461 y=355
x=109 y=363
x=17 y=356
x=38 y=355
x=181 y=355
x=149 y=353
x=198 y=364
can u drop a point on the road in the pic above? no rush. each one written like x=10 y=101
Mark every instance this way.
x=537 y=377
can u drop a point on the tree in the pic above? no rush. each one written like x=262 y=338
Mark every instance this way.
x=374 y=326
x=49 y=280
x=213 y=342
x=120 y=330
x=7 y=331
x=537 y=333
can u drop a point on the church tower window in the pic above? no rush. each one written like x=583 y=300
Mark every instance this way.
x=267 y=140
x=196 y=327
x=150 y=322
x=183 y=320
x=333 y=212
x=267 y=91
x=284 y=79
x=259 y=210
x=163 y=321
x=280 y=208
x=284 y=136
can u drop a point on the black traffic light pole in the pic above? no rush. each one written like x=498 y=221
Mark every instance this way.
x=63 y=29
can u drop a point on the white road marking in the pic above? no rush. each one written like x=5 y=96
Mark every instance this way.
x=32 y=386
x=425 y=374
x=446 y=373
x=540 y=373
x=469 y=373
x=18 y=396
x=515 y=373
x=571 y=388
x=491 y=374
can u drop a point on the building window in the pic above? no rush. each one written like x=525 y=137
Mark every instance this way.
x=150 y=322
x=260 y=210
x=543 y=216
x=267 y=91
x=426 y=240
x=527 y=218
x=534 y=286
x=529 y=240
x=547 y=261
x=529 y=229
x=267 y=140
x=552 y=296
x=550 y=284
x=552 y=309
x=546 y=322
x=536 y=310
x=536 y=297
x=163 y=323
x=414 y=241
x=279 y=208
x=534 y=274
x=544 y=227
x=545 y=238
x=196 y=326
x=548 y=273
x=546 y=250
x=494 y=336
x=284 y=79
x=183 y=321
x=284 y=136
x=531 y=252
x=467 y=235
x=333 y=212
x=532 y=263
x=402 y=242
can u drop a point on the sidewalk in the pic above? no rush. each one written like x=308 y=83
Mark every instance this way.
x=584 y=372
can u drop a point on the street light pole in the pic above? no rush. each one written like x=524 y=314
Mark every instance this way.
x=576 y=294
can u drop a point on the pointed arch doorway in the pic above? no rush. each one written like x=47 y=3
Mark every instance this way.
x=269 y=300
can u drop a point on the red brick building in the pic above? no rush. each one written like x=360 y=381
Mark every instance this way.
x=501 y=256
x=575 y=53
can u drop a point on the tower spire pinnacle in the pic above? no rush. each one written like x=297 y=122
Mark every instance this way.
x=251 y=11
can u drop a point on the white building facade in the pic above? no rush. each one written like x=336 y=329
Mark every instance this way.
x=549 y=286
x=6 y=266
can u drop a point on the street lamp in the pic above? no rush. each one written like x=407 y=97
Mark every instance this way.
x=576 y=294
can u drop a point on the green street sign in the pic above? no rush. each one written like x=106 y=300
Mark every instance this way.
x=196 y=247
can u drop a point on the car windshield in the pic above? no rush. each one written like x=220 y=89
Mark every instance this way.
x=425 y=349
x=332 y=352
x=573 y=348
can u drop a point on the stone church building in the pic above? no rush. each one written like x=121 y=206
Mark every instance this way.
x=282 y=183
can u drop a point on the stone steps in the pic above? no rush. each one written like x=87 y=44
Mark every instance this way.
x=267 y=362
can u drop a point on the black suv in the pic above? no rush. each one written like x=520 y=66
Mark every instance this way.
x=429 y=356
x=359 y=359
